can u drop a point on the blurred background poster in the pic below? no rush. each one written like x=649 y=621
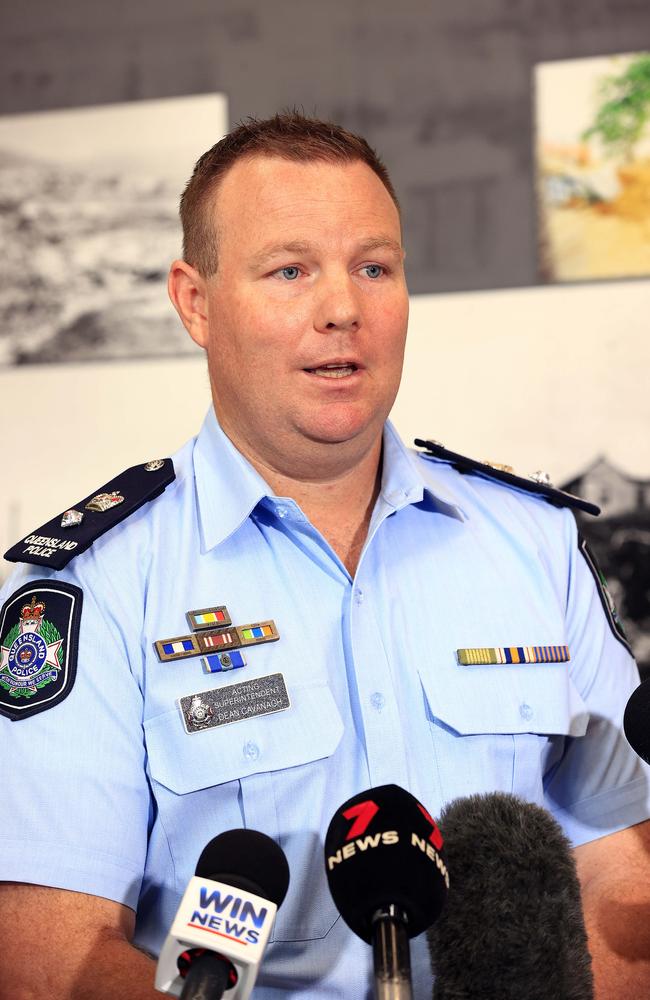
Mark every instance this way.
x=593 y=167
x=89 y=224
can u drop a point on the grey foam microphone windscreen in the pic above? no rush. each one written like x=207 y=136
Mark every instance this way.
x=513 y=927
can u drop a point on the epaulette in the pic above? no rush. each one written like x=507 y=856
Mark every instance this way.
x=66 y=535
x=539 y=483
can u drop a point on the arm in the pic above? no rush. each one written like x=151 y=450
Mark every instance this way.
x=71 y=946
x=614 y=874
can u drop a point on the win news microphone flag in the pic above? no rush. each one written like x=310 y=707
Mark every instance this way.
x=387 y=875
x=223 y=923
x=513 y=927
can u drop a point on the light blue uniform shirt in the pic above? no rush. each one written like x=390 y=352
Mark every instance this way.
x=107 y=794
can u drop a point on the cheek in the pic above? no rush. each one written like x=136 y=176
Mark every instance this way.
x=391 y=332
x=262 y=325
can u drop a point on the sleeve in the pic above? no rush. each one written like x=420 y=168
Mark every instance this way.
x=596 y=784
x=76 y=804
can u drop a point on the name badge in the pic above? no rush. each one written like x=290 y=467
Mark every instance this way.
x=221 y=706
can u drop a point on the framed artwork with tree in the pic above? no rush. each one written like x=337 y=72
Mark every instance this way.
x=593 y=167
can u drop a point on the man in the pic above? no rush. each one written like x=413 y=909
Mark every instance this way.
x=298 y=509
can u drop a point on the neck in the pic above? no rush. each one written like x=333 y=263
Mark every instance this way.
x=340 y=508
x=338 y=498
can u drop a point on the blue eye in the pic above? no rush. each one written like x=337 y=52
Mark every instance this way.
x=374 y=270
x=290 y=273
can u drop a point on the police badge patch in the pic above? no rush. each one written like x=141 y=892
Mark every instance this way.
x=613 y=619
x=39 y=634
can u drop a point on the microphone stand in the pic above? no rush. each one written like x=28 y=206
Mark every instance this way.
x=391 y=954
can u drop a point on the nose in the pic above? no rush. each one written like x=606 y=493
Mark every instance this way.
x=337 y=304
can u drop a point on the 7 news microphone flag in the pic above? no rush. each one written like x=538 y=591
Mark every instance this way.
x=387 y=875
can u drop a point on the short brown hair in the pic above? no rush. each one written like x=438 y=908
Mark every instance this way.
x=290 y=136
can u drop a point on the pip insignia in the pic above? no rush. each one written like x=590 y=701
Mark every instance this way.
x=541 y=477
x=71 y=519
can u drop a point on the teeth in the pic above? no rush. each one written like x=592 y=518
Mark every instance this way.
x=334 y=371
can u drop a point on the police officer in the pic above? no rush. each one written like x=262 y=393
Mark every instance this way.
x=298 y=608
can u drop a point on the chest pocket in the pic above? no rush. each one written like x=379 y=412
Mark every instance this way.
x=501 y=727
x=268 y=774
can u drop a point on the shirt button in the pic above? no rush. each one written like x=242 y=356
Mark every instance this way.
x=251 y=750
x=377 y=700
x=358 y=595
x=525 y=711
x=282 y=512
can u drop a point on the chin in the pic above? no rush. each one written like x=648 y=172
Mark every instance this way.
x=342 y=430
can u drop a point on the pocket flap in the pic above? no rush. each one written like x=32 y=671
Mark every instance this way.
x=534 y=698
x=311 y=728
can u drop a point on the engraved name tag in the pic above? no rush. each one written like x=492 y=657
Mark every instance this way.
x=234 y=703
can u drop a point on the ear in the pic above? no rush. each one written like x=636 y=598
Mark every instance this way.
x=187 y=291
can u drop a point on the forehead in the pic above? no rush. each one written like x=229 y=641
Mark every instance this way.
x=264 y=197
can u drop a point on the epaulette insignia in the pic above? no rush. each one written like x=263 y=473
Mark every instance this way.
x=538 y=482
x=72 y=532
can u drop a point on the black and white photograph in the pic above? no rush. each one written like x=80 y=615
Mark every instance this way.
x=89 y=223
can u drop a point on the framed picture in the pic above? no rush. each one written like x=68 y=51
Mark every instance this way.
x=89 y=221
x=593 y=167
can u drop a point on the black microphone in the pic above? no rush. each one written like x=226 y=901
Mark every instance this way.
x=388 y=878
x=513 y=927
x=636 y=720
x=223 y=923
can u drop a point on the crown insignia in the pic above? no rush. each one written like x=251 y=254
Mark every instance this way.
x=104 y=501
x=36 y=609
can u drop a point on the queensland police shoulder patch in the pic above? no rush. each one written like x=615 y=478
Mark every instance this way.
x=39 y=635
x=613 y=619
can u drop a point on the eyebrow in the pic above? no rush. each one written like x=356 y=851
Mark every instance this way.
x=300 y=248
x=382 y=243
x=274 y=249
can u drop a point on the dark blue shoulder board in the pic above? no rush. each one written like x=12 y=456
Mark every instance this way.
x=470 y=466
x=66 y=535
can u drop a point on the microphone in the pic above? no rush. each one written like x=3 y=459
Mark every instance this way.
x=223 y=923
x=388 y=878
x=636 y=720
x=513 y=927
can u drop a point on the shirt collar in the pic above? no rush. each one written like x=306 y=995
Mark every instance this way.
x=229 y=488
x=402 y=480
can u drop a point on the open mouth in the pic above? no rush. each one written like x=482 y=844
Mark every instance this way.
x=333 y=370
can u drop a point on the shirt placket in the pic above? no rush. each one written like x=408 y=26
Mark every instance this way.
x=377 y=697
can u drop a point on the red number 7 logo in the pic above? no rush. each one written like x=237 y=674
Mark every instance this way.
x=436 y=836
x=362 y=814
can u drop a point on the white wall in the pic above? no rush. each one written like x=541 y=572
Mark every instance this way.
x=535 y=378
